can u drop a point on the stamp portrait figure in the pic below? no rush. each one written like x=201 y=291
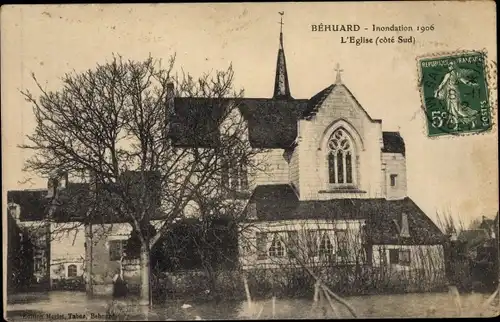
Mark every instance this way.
x=448 y=92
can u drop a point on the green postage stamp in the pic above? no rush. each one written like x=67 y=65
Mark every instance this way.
x=455 y=93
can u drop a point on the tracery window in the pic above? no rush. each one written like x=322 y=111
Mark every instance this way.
x=340 y=158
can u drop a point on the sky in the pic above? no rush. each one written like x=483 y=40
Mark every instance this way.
x=451 y=174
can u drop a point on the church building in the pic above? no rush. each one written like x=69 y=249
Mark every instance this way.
x=333 y=192
x=335 y=186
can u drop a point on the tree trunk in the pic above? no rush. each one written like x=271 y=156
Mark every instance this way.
x=145 y=276
x=88 y=258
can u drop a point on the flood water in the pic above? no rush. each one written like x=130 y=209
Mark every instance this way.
x=57 y=306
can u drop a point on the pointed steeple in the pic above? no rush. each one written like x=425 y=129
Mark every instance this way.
x=281 y=87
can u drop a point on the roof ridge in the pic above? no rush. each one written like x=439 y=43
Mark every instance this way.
x=317 y=100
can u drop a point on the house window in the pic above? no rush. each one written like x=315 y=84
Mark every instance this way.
x=404 y=257
x=382 y=256
x=261 y=241
x=72 y=271
x=400 y=256
x=340 y=158
x=342 y=243
x=235 y=175
x=363 y=235
x=293 y=243
x=312 y=243
x=277 y=248
x=325 y=245
x=116 y=248
x=37 y=265
x=393 y=179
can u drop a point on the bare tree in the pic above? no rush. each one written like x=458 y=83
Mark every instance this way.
x=110 y=127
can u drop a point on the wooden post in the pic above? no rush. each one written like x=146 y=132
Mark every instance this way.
x=274 y=306
x=260 y=312
x=247 y=291
x=316 y=292
x=332 y=305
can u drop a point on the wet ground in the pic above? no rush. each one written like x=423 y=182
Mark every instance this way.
x=77 y=306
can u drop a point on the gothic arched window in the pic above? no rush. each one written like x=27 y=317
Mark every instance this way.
x=340 y=158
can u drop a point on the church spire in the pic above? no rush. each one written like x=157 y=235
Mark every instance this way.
x=281 y=87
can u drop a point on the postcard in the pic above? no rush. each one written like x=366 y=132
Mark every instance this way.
x=196 y=161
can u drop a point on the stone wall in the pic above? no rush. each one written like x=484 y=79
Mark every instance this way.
x=103 y=268
x=247 y=240
x=274 y=166
x=67 y=247
x=394 y=164
x=366 y=133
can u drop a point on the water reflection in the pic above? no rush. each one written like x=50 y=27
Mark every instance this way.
x=373 y=306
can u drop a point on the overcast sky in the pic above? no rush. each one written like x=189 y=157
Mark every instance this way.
x=459 y=174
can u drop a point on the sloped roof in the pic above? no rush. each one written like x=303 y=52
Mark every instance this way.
x=318 y=99
x=196 y=121
x=393 y=143
x=75 y=200
x=422 y=229
x=272 y=123
x=487 y=223
x=473 y=237
x=279 y=202
x=32 y=203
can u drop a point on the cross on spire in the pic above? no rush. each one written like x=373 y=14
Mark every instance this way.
x=281 y=20
x=338 y=80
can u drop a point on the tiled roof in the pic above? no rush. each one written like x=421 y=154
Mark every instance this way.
x=487 y=223
x=196 y=121
x=393 y=143
x=473 y=237
x=422 y=229
x=279 y=202
x=34 y=205
x=272 y=123
x=73 y=203
x=318 y=99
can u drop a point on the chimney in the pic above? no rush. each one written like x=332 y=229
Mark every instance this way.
x=51 y=187
x=63 y=180
x=405 y=230
x=170 y=98
x=14 y=210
